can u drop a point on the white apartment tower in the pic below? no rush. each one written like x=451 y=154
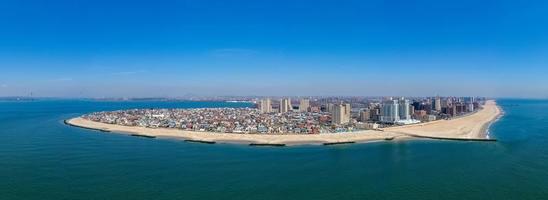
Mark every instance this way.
x=347 y=113
x=437 y=104
x=329 y=107
x=341 y=114
x=285 y=105
x=304 y=104
x=470 y=107
x=265 y=106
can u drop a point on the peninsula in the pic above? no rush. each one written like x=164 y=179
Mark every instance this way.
x=469 y=126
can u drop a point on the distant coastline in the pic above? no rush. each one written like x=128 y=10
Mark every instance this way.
x=239 y=101
x=473 y=127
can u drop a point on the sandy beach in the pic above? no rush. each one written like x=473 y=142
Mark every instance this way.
x=472 y=127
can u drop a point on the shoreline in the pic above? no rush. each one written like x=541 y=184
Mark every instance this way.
x=235 y=138
x=501 y=114
x=473 y=127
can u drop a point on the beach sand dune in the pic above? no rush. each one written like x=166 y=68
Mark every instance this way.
x=473 y=126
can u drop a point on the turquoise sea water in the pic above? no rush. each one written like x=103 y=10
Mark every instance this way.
x=41 y=158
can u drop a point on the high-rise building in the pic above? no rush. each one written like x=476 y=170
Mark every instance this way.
x=265 y=106
x=304 y=105
x=452 y=110
x=347 y=112
x=329 y=107
x=427 y=107
x=375 y=114
x=470 y=107
x=449 y=102
x=417 y=105
x=403 y=110
x=341 y=114
x=289 y=105
x=437 y=104
x=365 y=115
x=471 y=99
x=285 y=105
x=390 y=111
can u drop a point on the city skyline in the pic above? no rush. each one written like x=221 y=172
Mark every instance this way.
x=213 y=48
x=309 y=117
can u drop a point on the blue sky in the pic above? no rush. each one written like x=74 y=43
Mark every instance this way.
x=100 y=48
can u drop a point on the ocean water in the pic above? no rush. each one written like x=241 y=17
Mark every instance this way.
x=41 y=158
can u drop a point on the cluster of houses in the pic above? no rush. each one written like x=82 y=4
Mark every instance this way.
x=224 y=120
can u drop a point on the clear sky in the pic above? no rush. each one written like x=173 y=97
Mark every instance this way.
x=108 y=48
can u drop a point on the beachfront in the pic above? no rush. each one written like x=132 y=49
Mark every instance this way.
x=473 y=127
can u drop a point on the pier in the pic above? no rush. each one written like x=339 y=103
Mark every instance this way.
x=452 y=138
x=338 y=143
x=201 y=141
x=141 y=135
x=267 y=144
